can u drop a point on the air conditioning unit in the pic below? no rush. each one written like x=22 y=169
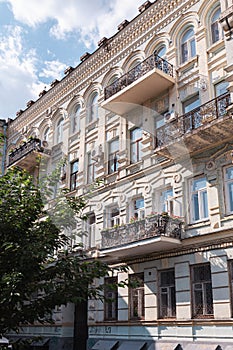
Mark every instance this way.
x=97 y=153
x=171 y=115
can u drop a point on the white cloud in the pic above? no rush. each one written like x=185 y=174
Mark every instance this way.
x=53 y=70
x=93 y=19
x=17 y=71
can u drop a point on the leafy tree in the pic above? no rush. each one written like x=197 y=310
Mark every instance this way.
x=32 y=281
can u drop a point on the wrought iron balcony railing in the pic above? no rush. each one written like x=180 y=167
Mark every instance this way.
x=151 y=62
x=153 y=226
x=24 y=149
x=202 y=115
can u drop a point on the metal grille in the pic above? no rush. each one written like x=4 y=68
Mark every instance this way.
x=202 y=291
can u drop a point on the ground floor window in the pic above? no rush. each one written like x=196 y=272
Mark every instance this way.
x=110 y=294
x=167 y=294
x=136 y=296
x=202 y=291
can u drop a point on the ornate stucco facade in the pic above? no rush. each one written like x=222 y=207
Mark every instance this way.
x=150 y=114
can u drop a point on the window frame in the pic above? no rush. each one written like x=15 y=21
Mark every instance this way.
x=75 y=118
x=135 y=142
x=201 y=205
x=93 y=107
x=137 y=213
x=59 y=130
x=165 y=203
x=187 y=50
x=137 y=297
x=113 y=220
x=113 y=157
x=214 y=24
x=204 y=291
x=226 y=191
x=91 y=169
x=88 y=238
x=111 y=306
x=74 y=175
x=171 y=303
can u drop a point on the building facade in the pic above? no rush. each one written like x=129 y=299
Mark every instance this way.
x=149 y=113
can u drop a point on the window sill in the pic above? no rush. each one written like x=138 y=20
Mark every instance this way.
x=184 y=67
x=217 y=46
x=198 y=224
x=92 y=125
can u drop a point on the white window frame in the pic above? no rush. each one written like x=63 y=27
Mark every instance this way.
x=135 y=144
x=138 y=213
x=199 y=194
x=186 y=44
x=214 y=24
x=75 y=119
x=59 y=130
x=166 y=201
x=113 y=220
x=92 y=112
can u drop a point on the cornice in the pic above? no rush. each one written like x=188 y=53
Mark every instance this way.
x=138 y=31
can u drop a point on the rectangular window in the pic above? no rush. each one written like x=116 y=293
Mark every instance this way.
x=74 y=175
x=110 y=294
x=199 y=200
x=191 y=104
x=138 y=208
x=113 y=156
x=166 y=201
x=135 y=145
x=136 y=296
x=89 y=232
x=91 y=169
x=229 y=189
x=202 y=291
x=167 y=294
x=114 y=217
x=221 y=88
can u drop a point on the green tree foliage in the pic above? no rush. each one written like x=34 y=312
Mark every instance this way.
x=32 y=281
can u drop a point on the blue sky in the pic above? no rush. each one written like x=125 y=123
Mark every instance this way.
x=39 y=39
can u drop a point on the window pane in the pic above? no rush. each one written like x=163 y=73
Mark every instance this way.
x=196 y=215
x=193 y=47
x=230 y=194
x=205 y=204
x=191 y=104
x=199 y=184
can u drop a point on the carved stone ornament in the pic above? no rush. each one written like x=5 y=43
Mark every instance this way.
x=177 y=178
x=148 y=188
x=210 y=165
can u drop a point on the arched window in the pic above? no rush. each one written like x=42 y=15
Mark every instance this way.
x=59 y=130
x=93 y=107
x=161 y=51
x=75 y=119
x=188 y=45
x=215 y=26
x=46 y=135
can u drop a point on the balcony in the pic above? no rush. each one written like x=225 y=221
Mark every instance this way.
x=156 y=233
x=146 y=80
x=26 y=155
x=209 y=124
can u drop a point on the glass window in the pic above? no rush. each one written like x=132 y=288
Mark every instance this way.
x=113 y=156
x=199 y=200
x=221 y=88
x=202 y=291
x=93 y=108
x=188 y=45
x=60 y=130
x=231 y=283
x=46 y=135
x=166 y=201
x=161 y=51
x=138 y=208
x=215 y=26
x=89 y=232
x=136 y=296
x=167 y=294
x=91 y=169
x=114 y=217
x=74 y=175
x=110 y=294
x=191 y=104
x=75 y=119
x=229 y=189
x=135 y=145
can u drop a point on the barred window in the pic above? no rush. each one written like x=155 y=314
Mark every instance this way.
x=202 y=291
x=167 y=294
x=136 y=296
x=110 y=294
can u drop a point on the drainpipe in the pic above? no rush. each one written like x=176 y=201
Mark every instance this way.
x=4 y=149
